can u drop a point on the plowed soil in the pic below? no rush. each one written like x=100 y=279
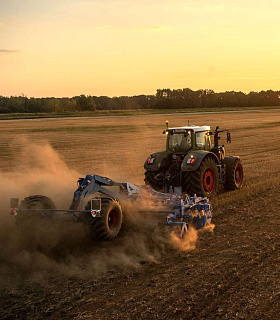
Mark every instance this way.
x=232 y=272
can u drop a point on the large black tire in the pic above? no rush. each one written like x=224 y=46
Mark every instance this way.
x=174 y=174
x=203 y=181
x=186 y=186
x=26 y=219
x=108 y=226
x=34 y=226
x=234 y=175
x=151 y=179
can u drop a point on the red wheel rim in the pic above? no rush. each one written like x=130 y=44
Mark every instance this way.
x=208 y=181
x=238 y=175
x=113 y=219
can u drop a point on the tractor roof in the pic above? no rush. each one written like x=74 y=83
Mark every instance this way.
x=194 y=128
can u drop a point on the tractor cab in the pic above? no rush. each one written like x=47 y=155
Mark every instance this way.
x=183 y=139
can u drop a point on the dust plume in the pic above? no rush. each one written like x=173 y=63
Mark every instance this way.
x=39 y=170
x=189 y=240
x=64 y=247
x=187 y=243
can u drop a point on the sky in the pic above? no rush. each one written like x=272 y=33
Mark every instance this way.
x=129 y=47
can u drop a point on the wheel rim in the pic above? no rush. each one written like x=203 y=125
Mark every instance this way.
x=238 y=175
x=208 y=181
x=113 y=219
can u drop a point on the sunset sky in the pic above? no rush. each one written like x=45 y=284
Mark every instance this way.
x=129 y=47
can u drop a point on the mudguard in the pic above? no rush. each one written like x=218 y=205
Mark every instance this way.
x=157 y=161
x=198 y=155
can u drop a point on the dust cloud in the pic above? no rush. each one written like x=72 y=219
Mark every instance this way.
x=64 y=247
x=39 y=170
x=187 y=243
x=189 y=240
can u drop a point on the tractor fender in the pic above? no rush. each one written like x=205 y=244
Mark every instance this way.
x=198 y=156
x=157 y=160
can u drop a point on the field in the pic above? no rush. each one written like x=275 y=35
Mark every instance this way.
x=231 y=272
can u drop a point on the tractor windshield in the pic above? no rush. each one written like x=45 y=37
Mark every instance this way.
x=180 y=142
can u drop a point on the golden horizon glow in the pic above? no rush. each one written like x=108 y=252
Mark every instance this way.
x=121 y=47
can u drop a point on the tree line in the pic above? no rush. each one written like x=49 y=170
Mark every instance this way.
x=163 y=99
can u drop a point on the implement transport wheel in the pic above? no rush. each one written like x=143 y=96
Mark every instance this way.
x=106 y=227
x=234 y=175
x=28 y=220
x=204 y=181
x=155 y=179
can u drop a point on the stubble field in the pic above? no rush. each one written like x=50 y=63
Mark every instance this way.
x=231 y=272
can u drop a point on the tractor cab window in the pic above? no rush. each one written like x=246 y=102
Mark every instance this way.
x=203 y=140
x=180 y=142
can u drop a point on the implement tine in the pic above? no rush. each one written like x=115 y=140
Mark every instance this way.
x=184 y=229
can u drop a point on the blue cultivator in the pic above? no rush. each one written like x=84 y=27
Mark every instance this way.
x=192 y=210
x=97 y=203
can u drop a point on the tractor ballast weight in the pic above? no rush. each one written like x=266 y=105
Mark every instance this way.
x=192 y=163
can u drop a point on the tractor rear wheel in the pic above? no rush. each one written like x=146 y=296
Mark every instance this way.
x=108 y=226
x=155 y=179
x=203 y=181
x=186 y=176
x=234 y=175
x=174 y=175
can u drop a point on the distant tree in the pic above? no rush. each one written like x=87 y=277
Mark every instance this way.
x=52 y=105
x=85 y=103
x=33 y=105
x=163 y=99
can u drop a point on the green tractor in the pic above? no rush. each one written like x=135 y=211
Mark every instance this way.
x=191 y=164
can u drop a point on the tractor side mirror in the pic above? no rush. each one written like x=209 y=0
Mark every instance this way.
x=228 y=137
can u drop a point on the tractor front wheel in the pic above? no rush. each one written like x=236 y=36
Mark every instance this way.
x=203 y=181
x=234 y=175
x=108 y=226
